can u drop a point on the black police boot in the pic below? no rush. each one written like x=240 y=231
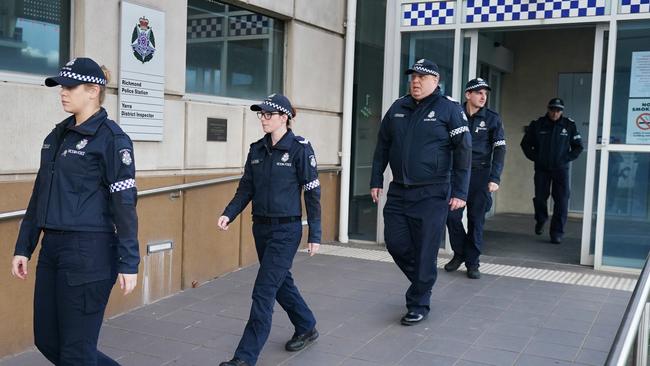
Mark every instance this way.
x=234 y=362
x=556 y=240
x=539 y=227
x=473 y=273
x=412 y=318
x=453 y=264
x=300 y=341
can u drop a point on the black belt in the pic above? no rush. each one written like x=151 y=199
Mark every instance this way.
x=275 y=220
x=58 y=232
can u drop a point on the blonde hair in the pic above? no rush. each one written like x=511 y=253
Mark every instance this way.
x=102 y=88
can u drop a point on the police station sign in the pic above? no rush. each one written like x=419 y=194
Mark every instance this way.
x=638 y=121
x=142 y=72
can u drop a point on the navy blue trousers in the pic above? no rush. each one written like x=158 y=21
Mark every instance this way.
x=276 y=246
x=556 y=183
x=414 y=222
x=467 y=244
x=74 y=278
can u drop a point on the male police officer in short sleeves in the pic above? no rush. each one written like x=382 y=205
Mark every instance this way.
x=425 y=138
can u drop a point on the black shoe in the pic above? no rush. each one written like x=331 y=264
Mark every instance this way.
x=473 y=273
x=539 y=227
x=412 y=318
x=234 y=362
x=555 y=240
x=453 y=264
x=300 y=341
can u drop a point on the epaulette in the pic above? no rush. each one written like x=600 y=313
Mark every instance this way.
x=452 y=99
x=114 y=127
x=302 y=140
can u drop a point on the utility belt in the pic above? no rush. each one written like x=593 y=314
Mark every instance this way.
x=275 y=220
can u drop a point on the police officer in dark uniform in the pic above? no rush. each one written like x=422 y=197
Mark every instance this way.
x=552 y=142
x=280 y=166
x=424 y=137
x=488 y=156
x=84 y=201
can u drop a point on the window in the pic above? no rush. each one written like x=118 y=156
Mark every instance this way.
x=34 y=35
x=232 y=52
x=437 y=46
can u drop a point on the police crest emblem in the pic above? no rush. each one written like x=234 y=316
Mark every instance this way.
x=81 y=144
x=126 y=157
x=431 y=114
x=143 y=41
x=312 y=161
x=482 y=124
x=285 y=157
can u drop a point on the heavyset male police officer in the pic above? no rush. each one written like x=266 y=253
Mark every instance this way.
x=280 y=166
x=488 y=155
x=425 y=139
x=84 y=200
x=552 y=142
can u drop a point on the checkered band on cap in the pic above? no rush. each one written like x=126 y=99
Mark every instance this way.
x=122 y=185
x=84 y=78
x=424 y=70
x=458 y=131
x=480 y=84
x=311 y=185
x=278 y=107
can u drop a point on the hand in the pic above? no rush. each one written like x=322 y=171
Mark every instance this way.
x=222 y=223
x=375 y=193
x=313 y=248
x=19 y=266
x=493 y=187
x=456 y=203
x=127 y=282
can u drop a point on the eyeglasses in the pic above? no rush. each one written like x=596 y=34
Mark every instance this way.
x=266 y=115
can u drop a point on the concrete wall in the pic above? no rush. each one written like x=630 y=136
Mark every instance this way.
x=313 y=63
x=539 y=56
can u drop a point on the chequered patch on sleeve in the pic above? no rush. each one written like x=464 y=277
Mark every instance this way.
x=122 y=185
x=500 y=143
x=458 y=131
x=311 y=185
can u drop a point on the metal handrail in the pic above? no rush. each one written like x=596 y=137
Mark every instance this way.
x=174 y=188
x=627 y=332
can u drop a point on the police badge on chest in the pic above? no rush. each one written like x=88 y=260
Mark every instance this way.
x=284 y=160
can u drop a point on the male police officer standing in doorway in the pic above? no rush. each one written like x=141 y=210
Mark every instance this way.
x=551 y=142
x=418 y=136
x=488 y=154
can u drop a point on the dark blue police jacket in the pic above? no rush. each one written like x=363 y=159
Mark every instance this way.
x=552 y=145
x=425 y=143
x=275 y=176
x=488 y=142
x=86 y=182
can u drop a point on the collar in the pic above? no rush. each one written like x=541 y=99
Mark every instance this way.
x=479 y=113
x=284 y=143
x=412 y=103
x=89 y=127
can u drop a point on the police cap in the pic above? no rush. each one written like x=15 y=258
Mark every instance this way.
x=81 y=70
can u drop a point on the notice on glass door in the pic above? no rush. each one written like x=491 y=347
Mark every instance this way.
x=141 y=87
x=638 y=121
x=640 y=75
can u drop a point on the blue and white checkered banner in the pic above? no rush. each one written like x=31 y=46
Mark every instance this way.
x=634 y=6
x=428 y=13
x=479 y=11
x=204 y=28
x=249 y=25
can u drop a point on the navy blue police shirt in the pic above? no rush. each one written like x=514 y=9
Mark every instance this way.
x=425 y=143
x=274 y=178
x=552 y=145
x=488 y=142
x=86 y=182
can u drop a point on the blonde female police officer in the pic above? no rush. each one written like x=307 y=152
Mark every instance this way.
x=279 y=167
x=84 y=201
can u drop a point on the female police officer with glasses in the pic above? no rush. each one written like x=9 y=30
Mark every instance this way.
x=279 y=166
x=84 y=201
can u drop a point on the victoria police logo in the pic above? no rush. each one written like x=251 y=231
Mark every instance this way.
x=564 y=132
x=420 y=61
x=71 y=62
x=270 y=96
x=431 y=114
x=81 y=144
x=312 y=160
x=126 y=157
x=285 y=157
x=482 y=124
x=143 y=41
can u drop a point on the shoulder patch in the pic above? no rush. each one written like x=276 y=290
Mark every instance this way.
x=452 y=99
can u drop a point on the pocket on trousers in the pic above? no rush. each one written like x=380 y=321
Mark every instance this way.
x=95 y=289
